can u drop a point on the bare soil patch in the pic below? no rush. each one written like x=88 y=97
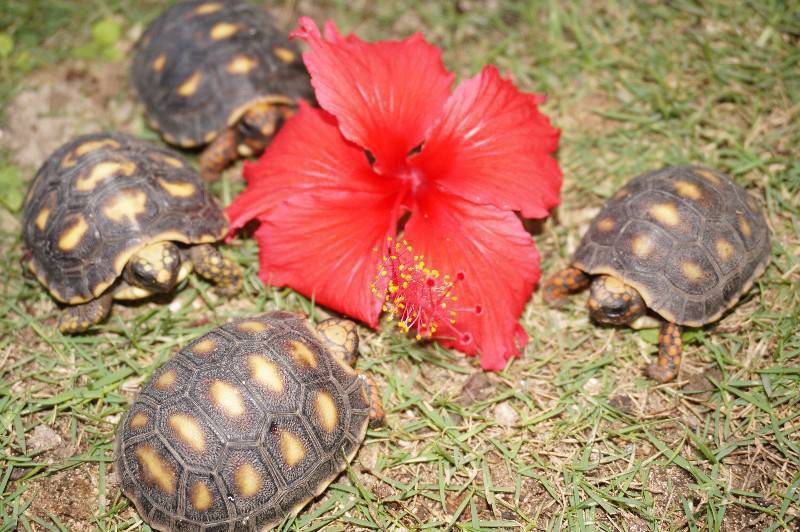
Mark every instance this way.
x=65 y=100
x=70 y=495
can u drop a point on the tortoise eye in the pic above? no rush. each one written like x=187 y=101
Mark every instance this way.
x=616 y=311
x=248 y=129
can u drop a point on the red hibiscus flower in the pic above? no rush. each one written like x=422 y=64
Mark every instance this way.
x=391 y=150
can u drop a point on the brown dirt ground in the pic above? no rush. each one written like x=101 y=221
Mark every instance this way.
x=70 y=495
x=63 y=101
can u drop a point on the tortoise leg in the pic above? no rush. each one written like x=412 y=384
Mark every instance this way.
x=377 y=416
x=78 y=318
x=218 y=155
x=563 y=283
x=210 y=264
x=670 y=349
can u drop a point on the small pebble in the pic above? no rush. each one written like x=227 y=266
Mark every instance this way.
x=476 y=388
x=368 y=457
x=593 y=386
x=505 y=415
x=43 y=438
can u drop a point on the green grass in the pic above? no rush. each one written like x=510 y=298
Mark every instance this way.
x=592 y=444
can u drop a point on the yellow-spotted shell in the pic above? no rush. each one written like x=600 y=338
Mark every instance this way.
x=241 y=428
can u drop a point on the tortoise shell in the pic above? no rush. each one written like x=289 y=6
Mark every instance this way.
x=688 y=239
x=241 y=428
x=201 y=64
x=99 y=199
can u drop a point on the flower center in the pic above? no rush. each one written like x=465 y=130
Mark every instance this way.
x=412 y=176
x=419 y=297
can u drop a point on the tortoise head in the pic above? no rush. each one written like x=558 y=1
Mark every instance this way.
x=340 y=338
x=613 y=302
x=155 y=267
x=260 y=122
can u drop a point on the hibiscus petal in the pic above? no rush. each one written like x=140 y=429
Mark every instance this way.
x=309 y=153
x=384 y=94
x=492 y=146
x=497 y=261
x=329 y=247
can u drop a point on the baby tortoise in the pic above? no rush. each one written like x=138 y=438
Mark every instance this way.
x=246 y=424
x=218 y=72
x=109 y=216
x=684 y=242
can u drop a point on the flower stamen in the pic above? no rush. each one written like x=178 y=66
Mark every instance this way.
x=418 y=297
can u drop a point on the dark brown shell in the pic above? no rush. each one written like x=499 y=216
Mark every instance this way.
x=99 y=199
x=689 y=239
x=180 y=433
x=181 y=68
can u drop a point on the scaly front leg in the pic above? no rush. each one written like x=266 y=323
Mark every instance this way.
x=78 y=318
x=210 y=264
x=567 y=281
x=218 y=155
x=670 y=350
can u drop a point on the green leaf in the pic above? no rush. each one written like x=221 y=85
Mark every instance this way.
x=12 y=186
x=649 y=335
x=89 y=50
x=106 y=32
x=692 y=335
x=6 y=44
x=111 y=54
x=689 y=335
x=23 y=61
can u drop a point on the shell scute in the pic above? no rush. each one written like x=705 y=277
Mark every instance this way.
x=325 y=410
x=190 y=434
x=206 y=502
x=165 y=386
x=692 y=307
x=289 y=442
x=160 y=473
x=751 y=228
x=248 y=479
x=209 y=350
x=732 y=286
x=274 y=386
x=142 y=420
x=690 y=270
x=642 y=247
x=665 y=211
x=697 y=194
x=605 y=232
x=228 y=404
x=126 y=206
x=358 y=396
x=724 y=246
